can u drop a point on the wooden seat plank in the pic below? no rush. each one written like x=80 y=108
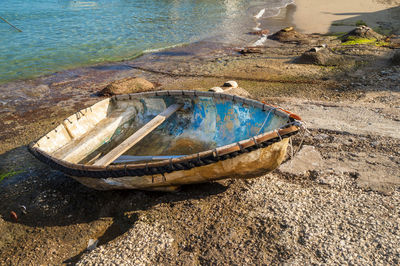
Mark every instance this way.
x=137 y=136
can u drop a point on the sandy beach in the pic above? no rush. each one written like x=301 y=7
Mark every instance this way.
x=341 y=15
x=335 y=202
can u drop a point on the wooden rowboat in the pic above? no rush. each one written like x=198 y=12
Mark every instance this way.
x=161 y=140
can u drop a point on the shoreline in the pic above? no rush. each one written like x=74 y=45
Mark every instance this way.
x=229 y=33
x=295 y=14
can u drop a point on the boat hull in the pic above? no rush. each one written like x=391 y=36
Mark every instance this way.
x=246 y=165
x=213 y=136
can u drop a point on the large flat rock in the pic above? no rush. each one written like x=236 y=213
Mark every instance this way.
x=307 y=159
x=355 y=119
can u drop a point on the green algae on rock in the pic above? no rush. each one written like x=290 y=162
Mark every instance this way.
x=362 y=35
x=9 y=174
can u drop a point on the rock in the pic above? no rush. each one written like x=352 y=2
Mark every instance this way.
x=14 y=216
x=377 y=181
x=363 y=32
x=287 y=29
x=231 y=88
x=23 y=209
x=325 y=179
x=39 y=91
x=321 y=136
x=216 y=89
x=92 y=244
x=396 y=58
x=320 y=56
x=307 y=159
x=127 y=85
x=42 y=89
x=251 y=50
x=239 y=92
x=289 y=35
x=318 y=48
x=230 y=83
x=260 y=32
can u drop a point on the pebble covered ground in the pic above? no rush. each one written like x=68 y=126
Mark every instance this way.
x=319 y=217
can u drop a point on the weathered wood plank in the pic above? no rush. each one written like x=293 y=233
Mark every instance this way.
x=77 y=149
x=137 y=136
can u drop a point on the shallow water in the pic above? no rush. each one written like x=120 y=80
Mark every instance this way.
x=64 y=34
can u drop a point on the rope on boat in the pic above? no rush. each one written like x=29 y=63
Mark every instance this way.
x=279 y=135
x=303 y=131
x=266 y=119
x=303 y=127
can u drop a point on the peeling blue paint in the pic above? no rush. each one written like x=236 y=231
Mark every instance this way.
x=216 y=120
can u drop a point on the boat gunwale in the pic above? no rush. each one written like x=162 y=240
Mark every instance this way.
x=183 y=163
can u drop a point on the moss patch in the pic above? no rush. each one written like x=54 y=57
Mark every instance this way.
x=360 y=23
x=382 y=43
x=356 y=40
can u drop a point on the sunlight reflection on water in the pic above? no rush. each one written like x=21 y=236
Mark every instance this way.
x=65 y=34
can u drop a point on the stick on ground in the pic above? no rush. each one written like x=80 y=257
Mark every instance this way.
x=3 y=19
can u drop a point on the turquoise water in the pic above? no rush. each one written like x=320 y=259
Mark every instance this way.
x=63 y=34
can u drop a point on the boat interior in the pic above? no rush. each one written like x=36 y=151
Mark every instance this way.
x=197 y=123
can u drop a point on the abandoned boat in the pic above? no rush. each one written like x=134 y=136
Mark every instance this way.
x=162 y=140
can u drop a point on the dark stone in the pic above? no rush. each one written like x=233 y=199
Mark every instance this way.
x=260 y=32
x=251 y=50
x=289 y=35
x=127 y=85
x=396 y=58
x=322 y=57
x=362 y=32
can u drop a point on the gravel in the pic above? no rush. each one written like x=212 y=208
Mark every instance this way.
x=332 y=223
x=321 y=217
x=143 y=248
